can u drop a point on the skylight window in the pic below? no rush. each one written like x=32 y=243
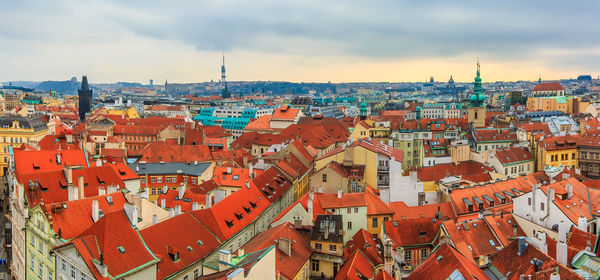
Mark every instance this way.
x=121 y=249
x=200 y=242
x=492 y=242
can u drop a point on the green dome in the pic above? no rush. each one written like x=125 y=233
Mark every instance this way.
x=418 y=108
x=481 y=98
x=473 y=98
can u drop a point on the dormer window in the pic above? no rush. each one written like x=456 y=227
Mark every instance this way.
x=229 y=223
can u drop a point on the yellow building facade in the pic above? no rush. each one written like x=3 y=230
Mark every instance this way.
x=15 y=131
x=557 y=151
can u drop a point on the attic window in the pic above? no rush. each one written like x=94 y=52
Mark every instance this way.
x=109 y=199
x=253 y=204
x=235 y=177
x=190 y=248
x=229 y=223
x=238 y=216
x=121 y=249
x=248 y=210
x=200 y=242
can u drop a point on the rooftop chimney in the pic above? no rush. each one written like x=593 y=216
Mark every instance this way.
x=80 y=184
x=339 y=194
x=177 y=210
x=561 y=252
x=569 y=188
x=208 y=202
x=132 y=213
x=181 y=191
x=101 y=191
x=154 y=219
x=326 y=233
x=163 y=203
x=171 y=212
x=582 y=223
x=195 y=206
x=309 y=205
x=241 y=252
x=95 y=211
x=522 y=245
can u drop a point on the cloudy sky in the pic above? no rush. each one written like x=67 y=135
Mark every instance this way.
x=308 y=40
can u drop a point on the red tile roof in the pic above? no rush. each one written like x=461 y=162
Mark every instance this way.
x=548 y=87
x=288 y=265
x=503 y=225
x=98 y=240
x=189 y=233
x=285 y=113
x=161 y=151
x=71 y=218
x=508 y=260
x=330 y=201
x=262 y=123
x=230 y=215
x=412 y=232
x=377 y=147
x=494 y=135
x=303 y=201
x=356 y=265
x=172 y=199
x=54 y=142
x=375 y=206
x=367 y=244
x=472 y=238
x=40 y=161
x=443 y=262
x=559 y=142
x=272 y=184
x=464 y=168
x=53 y=184
x=513 y=155
x=403 y=211
x=537 y=127
x=238 y=177
x=575 y=207
x=458 y=196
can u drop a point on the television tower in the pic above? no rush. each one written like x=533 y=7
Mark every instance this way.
x=223 y=76
x=225 y=93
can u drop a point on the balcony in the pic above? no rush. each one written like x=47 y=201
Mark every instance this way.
x=384 y=182
x=384 y=168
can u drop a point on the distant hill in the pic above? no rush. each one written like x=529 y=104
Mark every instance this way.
x=66 y=87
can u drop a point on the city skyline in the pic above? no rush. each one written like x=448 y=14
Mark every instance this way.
x=298 y=42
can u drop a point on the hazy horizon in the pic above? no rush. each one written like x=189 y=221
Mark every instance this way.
x=310 y=41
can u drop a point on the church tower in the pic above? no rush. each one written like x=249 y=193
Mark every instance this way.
x=476 y=111
x=85 y=98
x=364 y=110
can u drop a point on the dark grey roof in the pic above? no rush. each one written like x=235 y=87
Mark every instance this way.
x=170 y=168
x=35 y=122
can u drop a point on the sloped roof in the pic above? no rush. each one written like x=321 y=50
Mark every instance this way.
x=72 y=218
x=162 y=151
x=290 y=265
x=230 y=215
x=472 y=238
x=356 y=267
x=403 y=211
x=464 y=168
x=548 y=87
x=179 y=234
x=513 y=155
x=412 y=232
x=443 y=262
x=508 y=260
x=100 y=239
x=367 y=244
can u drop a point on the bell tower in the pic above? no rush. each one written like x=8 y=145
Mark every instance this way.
x=476 y=111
